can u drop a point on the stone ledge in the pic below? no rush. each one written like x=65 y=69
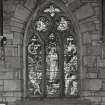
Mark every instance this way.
x=92 y=84
x=55 y=102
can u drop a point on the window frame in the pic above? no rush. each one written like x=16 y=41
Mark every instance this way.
x=61 y=67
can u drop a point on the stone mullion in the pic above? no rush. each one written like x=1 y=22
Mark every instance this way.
x=44 y=70
x=61 y=63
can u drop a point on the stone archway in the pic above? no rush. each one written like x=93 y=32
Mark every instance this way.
x=26 y=31
x=84 y=23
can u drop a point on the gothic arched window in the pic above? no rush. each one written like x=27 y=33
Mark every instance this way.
x=52 y=67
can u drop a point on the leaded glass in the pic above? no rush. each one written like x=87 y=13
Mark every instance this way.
x=70 y=66
x=41 y=24
x=52 y=10
x=35 y=71
x=63 y=24
x=52 y=69
x=52 y=61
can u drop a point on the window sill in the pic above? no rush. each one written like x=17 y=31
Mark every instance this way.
x=55 y=101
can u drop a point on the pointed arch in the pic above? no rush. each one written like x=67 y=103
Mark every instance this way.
x=69 y=15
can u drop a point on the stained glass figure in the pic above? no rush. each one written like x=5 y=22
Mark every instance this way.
x=53 y=77
x=63 y=24
x=34 y=46
x=35 y=67
x=42 y=24
x=70 y=66
x=52 y=10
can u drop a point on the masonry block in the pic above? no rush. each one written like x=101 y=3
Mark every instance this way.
x=17 y=94
x=97 y=26
x=12 y=85
x=74 y=4
x=89 y=1
x=97 y=11
x=92 y=84
x=103 y=52
x=11 y=50
x=7 y=29
x=103 y=103
x=84 y=49
x=70 y=1
x=1 y=89
x=86 y=27
x=1 y=82
x=101 y=73
x=11 y=103
x=13 y=62
x=95 y=36
x=87 y=38
x=94 y=100
x=91 y=75
x=10 y=41
x=94 y=4
x=17 y=20
x=8 y=35
x=103 y=86
x=90 y=61
x=16 y=24
x=84 y=12
x=11 y=99
x=21 y=13
x=30 y=4
x=92 y=70
x=16 y=29
x=8 y=94
x=95 y=43
x=94 y=50
x=100 y=62
x=18 y=38
x=103 y=99
x=6 y=75
x=85 y=93
x=99 y=93
x=9 y=74
x=1 y=98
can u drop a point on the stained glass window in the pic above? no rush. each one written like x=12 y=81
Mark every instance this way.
x=70 y=66
x=35 y=68
x=52 y=66
x=52 y=56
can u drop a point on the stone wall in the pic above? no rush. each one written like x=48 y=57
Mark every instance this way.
x=16 y=15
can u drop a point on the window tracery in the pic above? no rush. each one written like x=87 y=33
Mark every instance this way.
x=41 y=24
x=62 y=25
x=52 y=10
x=44 y=62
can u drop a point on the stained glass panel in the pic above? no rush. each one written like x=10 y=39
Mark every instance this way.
x=70 y=66
x=52 y=68
x=52 y=10
x=41 y=24
x=46 y=61
x=35 y=71
x=63 y=24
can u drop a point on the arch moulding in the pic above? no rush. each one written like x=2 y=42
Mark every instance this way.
x=69 y=14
